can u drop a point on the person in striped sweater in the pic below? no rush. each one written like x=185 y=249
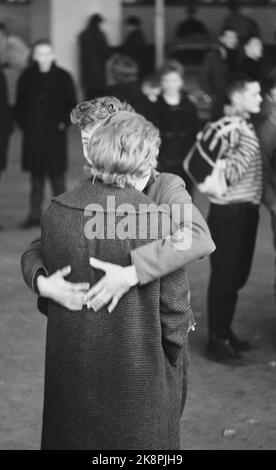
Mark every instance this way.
x=233 y=221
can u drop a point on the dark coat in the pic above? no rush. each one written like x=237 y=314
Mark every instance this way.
x=178 y=126
x=5 y=122
x=111 y=381
x=94 y=52
x=43 y=106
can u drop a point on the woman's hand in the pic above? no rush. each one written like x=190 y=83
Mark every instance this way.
x=112 y=286
x=69 y=295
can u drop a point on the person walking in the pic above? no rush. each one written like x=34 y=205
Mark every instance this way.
x=45 y=97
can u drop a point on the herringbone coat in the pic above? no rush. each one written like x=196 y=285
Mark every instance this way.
x=112 y=381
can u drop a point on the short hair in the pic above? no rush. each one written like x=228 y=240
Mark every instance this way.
x=122 y=148
x=87 y=113
x=172 y=66
x=238 y=84
x=124 y=69
x=42 y=42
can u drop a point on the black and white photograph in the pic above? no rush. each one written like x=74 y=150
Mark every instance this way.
x=137 y=227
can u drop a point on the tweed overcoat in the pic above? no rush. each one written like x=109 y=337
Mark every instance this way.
x=42 y=110
x=112 y=381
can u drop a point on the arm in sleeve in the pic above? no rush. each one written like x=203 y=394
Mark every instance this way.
x=69 y=98
x=32 y=263
x=239 y=158
x=176 y=314
x=190 y=239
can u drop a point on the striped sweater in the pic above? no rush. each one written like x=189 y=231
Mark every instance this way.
x=243 y=167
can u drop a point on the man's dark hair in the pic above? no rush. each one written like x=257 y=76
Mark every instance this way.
x=238 y=83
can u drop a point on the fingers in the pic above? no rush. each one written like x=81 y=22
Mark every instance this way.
x=65 y=271
x=95 y=290
x=97 y=264
x=113 y=304
x=79 y=287
x=100 y=301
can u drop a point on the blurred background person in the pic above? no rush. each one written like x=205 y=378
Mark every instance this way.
x=176 y=117
x=191 y=26
x=254 y=62
x=94 y=52
x=126 y=85
x=134 y=43
x=241 y=23
x=151 y=87
x=219 y=66
x=14 y=58
x=45 y=97
x=5 y=123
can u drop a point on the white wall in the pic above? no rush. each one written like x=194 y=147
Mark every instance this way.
x=69 y=17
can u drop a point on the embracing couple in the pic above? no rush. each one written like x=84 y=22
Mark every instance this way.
x=117 y=331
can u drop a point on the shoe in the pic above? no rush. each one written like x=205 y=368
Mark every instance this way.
x=29 y=223
x=240 y=344
x=220 y=350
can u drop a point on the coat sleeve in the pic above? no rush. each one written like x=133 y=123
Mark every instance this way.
x=21 y=104
x=189 y=241
x=176 y=314
x=69 y=98
x=31 y=263
x=239 y=158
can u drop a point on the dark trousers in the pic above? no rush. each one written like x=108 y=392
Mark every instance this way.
x=233 y=228
x=57 y=182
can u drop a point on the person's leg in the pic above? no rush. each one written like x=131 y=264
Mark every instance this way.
x=225 y=266
x=250 y=221
x=57 y=182
x=36 y=198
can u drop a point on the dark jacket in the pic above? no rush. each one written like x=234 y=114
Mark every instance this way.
x=42 y=110
x=134 y=45
x=5 y=122
x=178 y=126
x=111 y=381
x=94 y=52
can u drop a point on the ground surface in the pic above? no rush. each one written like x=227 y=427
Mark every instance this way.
x=219 y=398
